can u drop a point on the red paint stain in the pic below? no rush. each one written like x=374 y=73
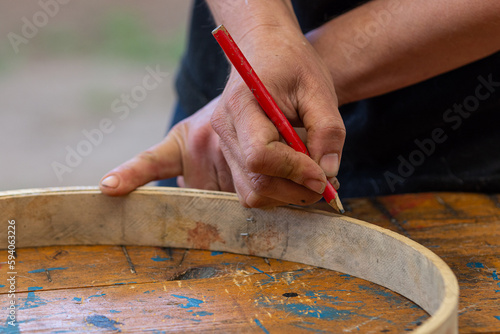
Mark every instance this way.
x=400 y=203
x=203 y=235
x=263 y=241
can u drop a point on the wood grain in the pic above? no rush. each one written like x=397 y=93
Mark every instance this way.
x=216 y=221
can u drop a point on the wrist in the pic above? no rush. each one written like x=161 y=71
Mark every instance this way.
x=250 y=21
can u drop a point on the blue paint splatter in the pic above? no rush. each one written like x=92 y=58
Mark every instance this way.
x=1 y=285
x=114 y=311
x=77 y=299
x=318 y=312
x=334 y=300
x=103 y=322
x=214 y=253
x=495 y=276
x=270 y=277
x=8 y=329
x=192 y=302
x=419 y=320
x=202 y=313
x=123 y=283
x=390 y=296
x=43 y=270
x=147 y=291
x=475 y=265
x=156 y=331
x=288 y=275
x=261 y=326
x=346 y=277
x=101 y=295
x=497 y=317
x=32 y=300
x=260 y=271
x=160 y=259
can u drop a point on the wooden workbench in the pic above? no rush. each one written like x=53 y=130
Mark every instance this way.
x=67 y=289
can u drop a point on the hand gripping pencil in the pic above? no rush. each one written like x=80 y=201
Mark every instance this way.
x=268 y=104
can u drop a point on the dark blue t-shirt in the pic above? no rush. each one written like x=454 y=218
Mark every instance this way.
x=438 y=135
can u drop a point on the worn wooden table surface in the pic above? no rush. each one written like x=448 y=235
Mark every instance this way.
x=112 y=288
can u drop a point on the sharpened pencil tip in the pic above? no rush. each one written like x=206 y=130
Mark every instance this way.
x=337 y=204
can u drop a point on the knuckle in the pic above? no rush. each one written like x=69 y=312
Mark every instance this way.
x=270 y=162
x=259 y=183
x=330 y=128
x=255 y=159
x=149 y=156
x=237 y=99
x=218 y=120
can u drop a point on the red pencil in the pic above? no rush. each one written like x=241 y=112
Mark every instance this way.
x=268 y=104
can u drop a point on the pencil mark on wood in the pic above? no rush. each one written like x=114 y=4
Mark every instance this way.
x=48 y=275
x=168 y=251
x=183 y=257
x=448 y=207
x=59 y=253
x=380 y=207
x=285 y=248
x=129 y=260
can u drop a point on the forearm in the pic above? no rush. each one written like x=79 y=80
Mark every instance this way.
x=256 y=18
x=385 y=45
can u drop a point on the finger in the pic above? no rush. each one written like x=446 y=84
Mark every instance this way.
x=180 y=182
x=263 y=153
x=325 y=129
x=335 y=182
x=258 y=191
x=159 y=162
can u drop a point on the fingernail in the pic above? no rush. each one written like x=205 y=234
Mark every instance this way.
x=315 y=185
x=330 y=164
x=111 y=182
x=335 y=183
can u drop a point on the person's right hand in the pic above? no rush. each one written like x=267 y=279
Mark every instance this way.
x=265 y=170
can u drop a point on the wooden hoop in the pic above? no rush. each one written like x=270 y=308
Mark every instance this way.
x=185 y=218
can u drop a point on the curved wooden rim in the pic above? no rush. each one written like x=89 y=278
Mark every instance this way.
x=189 y=218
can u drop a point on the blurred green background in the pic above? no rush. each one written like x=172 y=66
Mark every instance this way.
x=63 y=65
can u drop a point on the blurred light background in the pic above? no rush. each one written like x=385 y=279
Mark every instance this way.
x=62 y=66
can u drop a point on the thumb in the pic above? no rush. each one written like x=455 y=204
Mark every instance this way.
x=161 y=161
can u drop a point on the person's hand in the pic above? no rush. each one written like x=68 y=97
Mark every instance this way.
x=265 y=170
x=244 y=153
x=190 y=150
